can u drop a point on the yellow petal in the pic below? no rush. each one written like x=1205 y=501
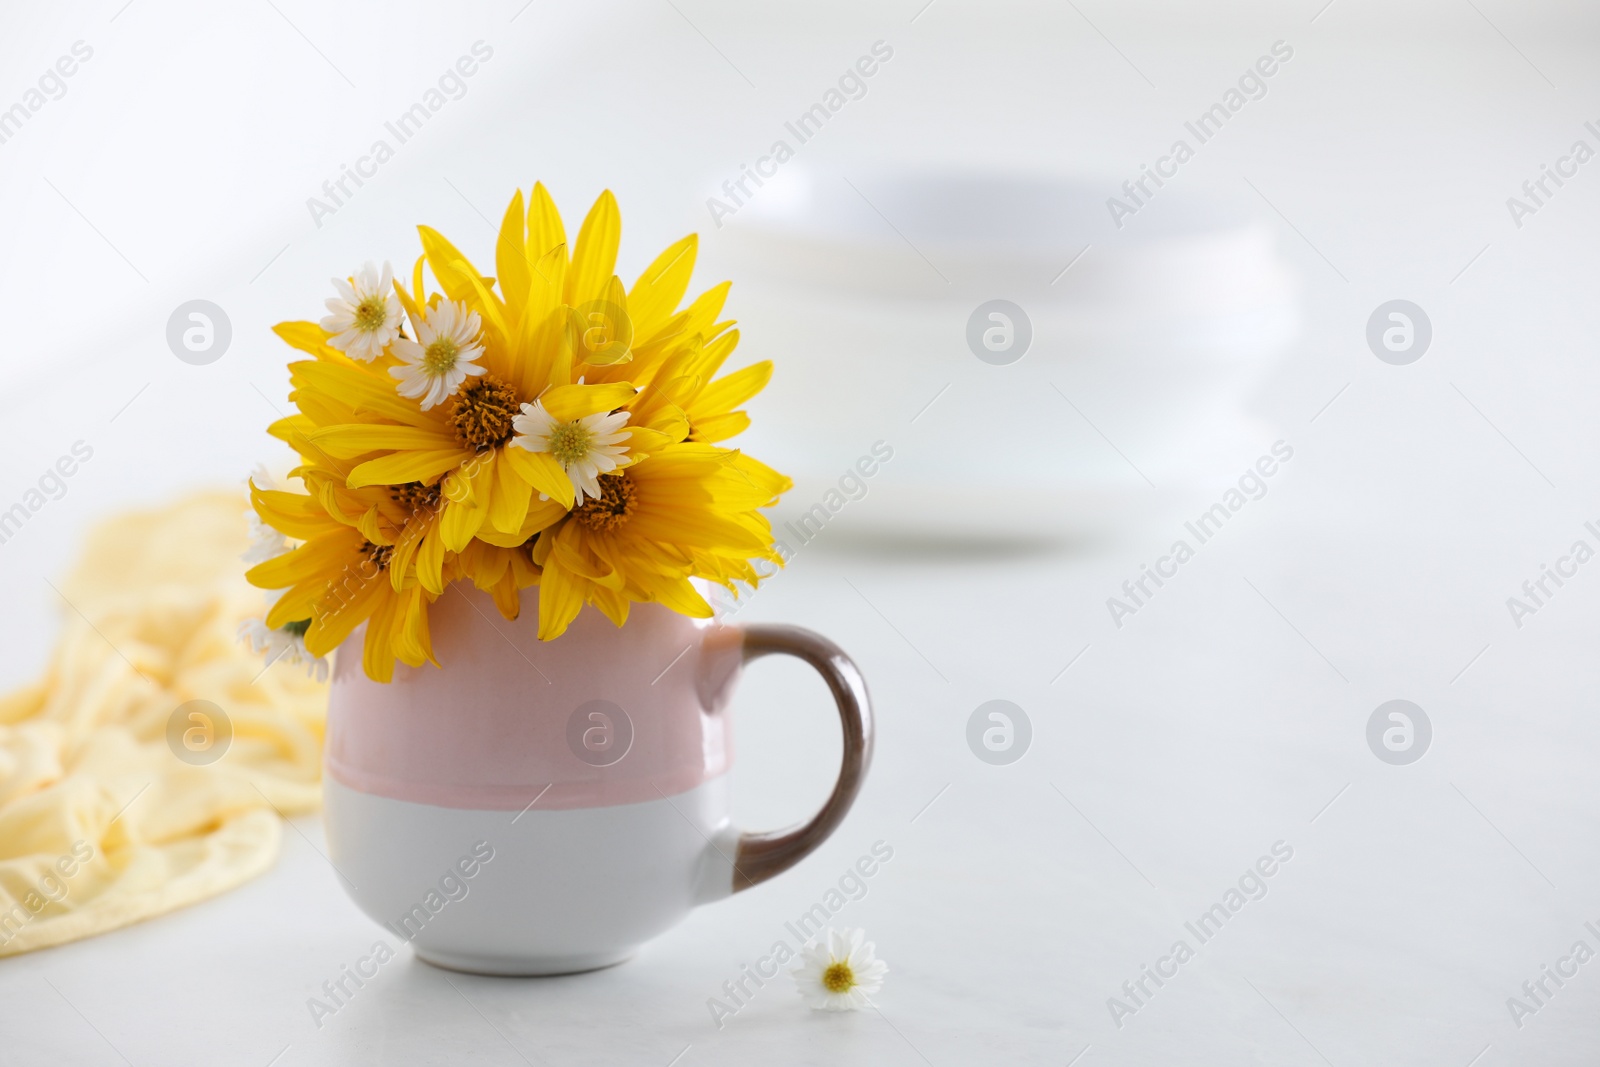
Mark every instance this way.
x=402 y=467
x=342 y=609
x=721 y=427
x=318 y=557
x=656 y=294
x=418 y=294
x=543 y=345
x=371 y=526
x=523 y=570
x=511 y=257
x=560 y=600
x=511 y=494
x=717 y=350
x=420 y=527
x=677 y=594
x=692 y=527
x=568 y=402
x=412 y=642
x=488 y=304
x=643 y=440
x=377 y=651
x=309 y=337
x=430 y=563
x=613 y=605
x=286 y=428
x=460 y=523
x=603 y=332
x=447 y=264
x=749 y=466
x=358 y=438
x=574 y=555
x=545 y=231
x=413 y=310
x=507 y=597
x=731 y=390
x=542 y=472
x=467 y=501
x=542 y=514
x=362 y=390
x=594 y=257
x=661 y=404
x=705 y=309
x=295 y=514
x=296 y=604
x=485 y=564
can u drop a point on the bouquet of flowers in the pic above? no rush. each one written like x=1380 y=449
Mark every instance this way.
x=539 y=427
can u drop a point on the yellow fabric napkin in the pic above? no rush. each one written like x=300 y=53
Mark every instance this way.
x=101 y=824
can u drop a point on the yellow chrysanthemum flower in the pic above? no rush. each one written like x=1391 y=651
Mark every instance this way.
x=344 y=574
x=688 y=510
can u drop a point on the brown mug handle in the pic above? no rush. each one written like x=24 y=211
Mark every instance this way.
x=760 y=856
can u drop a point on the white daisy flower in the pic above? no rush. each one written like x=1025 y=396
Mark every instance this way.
x=586 y=448
x=838 y=971
x=439 y=360
x=366 y=313
x=265 y=542
x=287 y=643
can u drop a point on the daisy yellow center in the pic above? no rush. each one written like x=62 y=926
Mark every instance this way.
x=617 y=499
x=839 y=978
x=371 y=313
x=439 y=356
x=570 y=442
x=482 y=412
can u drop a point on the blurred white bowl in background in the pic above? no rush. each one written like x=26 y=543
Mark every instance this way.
x=1129 y=400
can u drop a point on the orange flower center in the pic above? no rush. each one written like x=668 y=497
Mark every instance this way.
x=482 y=411
x=415 y=497
x=618 y=497
x=378 y=554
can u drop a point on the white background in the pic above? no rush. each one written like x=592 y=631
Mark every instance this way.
x=1224 y=717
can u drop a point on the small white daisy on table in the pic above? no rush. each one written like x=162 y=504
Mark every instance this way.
x=838 y=971
x=365 y=315
x=586 y=448
x=433 y=366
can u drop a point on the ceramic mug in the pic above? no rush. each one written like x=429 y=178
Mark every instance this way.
x=547 y=807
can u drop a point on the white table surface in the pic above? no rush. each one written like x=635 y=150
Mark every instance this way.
x=1228 y=715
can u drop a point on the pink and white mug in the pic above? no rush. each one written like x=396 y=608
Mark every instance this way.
x=543 y=808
